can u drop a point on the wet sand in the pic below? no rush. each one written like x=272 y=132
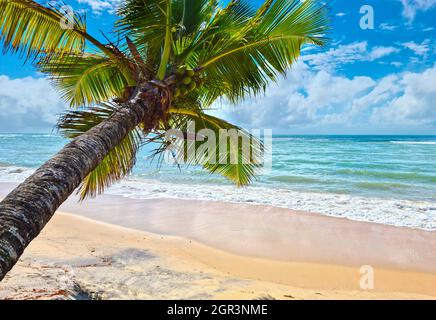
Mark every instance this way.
x=256 y=249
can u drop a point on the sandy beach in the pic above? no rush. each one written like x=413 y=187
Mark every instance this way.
x=119 y=248
x=224 y=150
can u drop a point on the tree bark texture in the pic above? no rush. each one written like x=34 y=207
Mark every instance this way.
x=28 y=208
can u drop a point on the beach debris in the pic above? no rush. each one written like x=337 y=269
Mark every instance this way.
x=78 y=292
x=265 y=297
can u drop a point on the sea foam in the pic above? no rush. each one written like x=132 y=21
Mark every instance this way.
x=415 y=142
x=10 y=173
x=402 y=213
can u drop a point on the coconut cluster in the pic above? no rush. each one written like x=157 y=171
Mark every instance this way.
x=187 y=81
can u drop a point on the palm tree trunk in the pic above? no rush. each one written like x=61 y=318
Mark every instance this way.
x=28 y=208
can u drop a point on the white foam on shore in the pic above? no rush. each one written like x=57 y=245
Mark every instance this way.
x=403 y=213
x=415 y=142
x=13 y=173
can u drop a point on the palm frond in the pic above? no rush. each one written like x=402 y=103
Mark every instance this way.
x=117 y=164
x=238 y=158
x=30 y=28
x=36 y=31
x=193 y=15
x=85 y=79
x=144 y=23
x=167 y=43
x=242 y=57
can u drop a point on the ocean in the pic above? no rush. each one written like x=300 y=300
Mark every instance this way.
x=381 y=179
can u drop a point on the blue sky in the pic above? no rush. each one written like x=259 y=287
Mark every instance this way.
x=372 y=81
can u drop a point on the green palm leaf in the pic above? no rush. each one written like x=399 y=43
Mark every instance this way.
x=192 y=14
x=145 y=23
x=117 y=164
x=228 y=158
x=36 y=31
x=85 y=79
x=30 y=28
x=242 y=56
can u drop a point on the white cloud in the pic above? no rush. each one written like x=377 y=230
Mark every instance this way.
x=100 y=6
x=307 y=99
x=341 y=14
x=28 y=104
x=380 y=52
x=416 y=103
x=382 y=91
x=347 y=54
x=313 y=101
x=419 y=49
x=411 y=7
x=304 y=97
x=387 y=26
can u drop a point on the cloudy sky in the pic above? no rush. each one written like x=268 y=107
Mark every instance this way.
x=380 y=80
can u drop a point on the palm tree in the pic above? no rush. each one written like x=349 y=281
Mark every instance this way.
x=172 y=60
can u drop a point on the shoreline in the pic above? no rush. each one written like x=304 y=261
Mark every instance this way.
x=399 y=212
x=113 y=262
x=271 y=249
x=263 y=231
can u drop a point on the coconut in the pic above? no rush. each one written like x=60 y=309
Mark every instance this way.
x=192 y=86
x=176 y=93
x=187 y=80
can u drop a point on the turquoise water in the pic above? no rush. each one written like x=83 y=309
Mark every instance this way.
x=306 y=169
x=387 y=166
